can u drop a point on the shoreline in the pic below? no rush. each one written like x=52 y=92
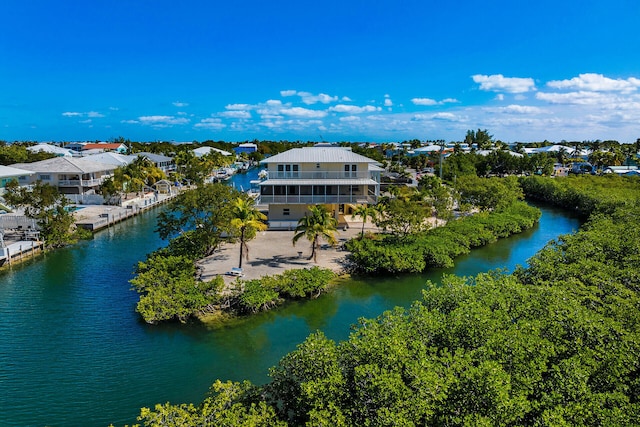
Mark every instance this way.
x=272 y=252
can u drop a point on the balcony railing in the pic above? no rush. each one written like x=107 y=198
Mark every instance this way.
x=320 y=175
x=79 y=182
x=317 y=199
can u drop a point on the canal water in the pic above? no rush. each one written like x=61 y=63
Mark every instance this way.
x=74 y=352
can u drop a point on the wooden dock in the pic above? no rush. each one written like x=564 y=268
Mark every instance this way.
x=97 y=217
x=20 y=251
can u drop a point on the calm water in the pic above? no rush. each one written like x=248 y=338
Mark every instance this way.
x=73 y=351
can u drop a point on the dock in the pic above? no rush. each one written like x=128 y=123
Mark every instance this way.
x=97 y=217
x=20 y=251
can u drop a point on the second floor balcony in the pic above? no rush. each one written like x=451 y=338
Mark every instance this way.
x=326 y=199
x=322 y=175
x=80 y=182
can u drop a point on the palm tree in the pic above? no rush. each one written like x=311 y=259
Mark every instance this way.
x=247 y=220
x=364 y=212
x=318 y=224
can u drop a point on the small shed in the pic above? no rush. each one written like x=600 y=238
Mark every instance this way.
x=163 y=187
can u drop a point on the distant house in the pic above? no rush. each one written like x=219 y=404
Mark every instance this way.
x=52 y=149
x=582 y=167
x=105 y=146
x=75 y=146
x=427 y=150
x=202 y=151
x=70 y=175
x=621 y=170
x=335 y=177
x=164 y=163
x=111 y=158
x=8 y=174
x=247 y=147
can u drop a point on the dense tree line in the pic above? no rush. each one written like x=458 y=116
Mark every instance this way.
x=18 y=153
x=439 y=246
x=554 y=344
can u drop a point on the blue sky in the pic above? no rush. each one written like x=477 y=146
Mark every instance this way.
x=341 y=70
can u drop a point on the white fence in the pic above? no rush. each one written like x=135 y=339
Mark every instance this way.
x=85 y=199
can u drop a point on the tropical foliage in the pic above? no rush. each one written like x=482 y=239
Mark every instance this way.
x=246 y=221
x=439 y=246
x=556 y=344
x=317 y=224
x=202 y=216
x=45 y=204
x=133 y=177
x=18 y=153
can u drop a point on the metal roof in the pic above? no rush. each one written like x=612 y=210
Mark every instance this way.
x=361 y=181
x=8 y=171
x=155 y=158
x=318 y=155
x=65 y=165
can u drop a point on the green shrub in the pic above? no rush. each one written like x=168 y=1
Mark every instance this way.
x=438 y=247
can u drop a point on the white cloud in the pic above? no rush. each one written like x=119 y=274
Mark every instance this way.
x=446 y=116
x=579 y=98
x=350 y=119
x=597 y=83
x=424 y=101
x=429 y=101
x=437 y=116
x=180 y=104
x=92 y=114
x=500 y=83
x=310 y=99
x=303 y=112
x=500 y=97
x=211 y=123
x=388 y=102
x=236 y=114
x=345 y=99
x=517 y=109
x=238 y=107
x=162 y=121
x=353 y=109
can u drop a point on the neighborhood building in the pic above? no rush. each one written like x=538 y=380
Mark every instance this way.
x=202 y=151
x=8 y=174
x=247 y=147
x=164 y=163
x=70 y=175
x=51 y=149
x=111 y=158
x=621 y=170
x=334 y=177
x=105 y=147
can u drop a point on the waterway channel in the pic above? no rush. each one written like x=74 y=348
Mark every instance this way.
x=74 y=352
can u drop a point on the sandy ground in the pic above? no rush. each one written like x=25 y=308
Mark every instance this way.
x=272 y=252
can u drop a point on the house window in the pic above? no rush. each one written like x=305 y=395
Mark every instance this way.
x=285 y=212
x=288 y=171
x=350 y=171
x=44 y=177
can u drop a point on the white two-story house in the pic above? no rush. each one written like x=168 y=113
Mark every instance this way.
x=69 y=175
x=334 y=177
